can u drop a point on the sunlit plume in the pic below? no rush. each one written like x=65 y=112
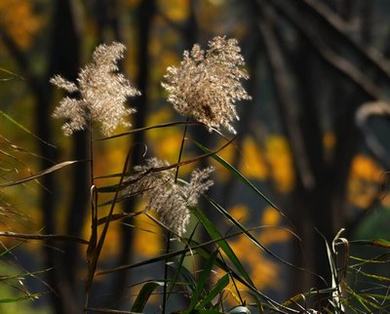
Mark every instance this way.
x=169 y=199
x=207 y=85
x=103 y=93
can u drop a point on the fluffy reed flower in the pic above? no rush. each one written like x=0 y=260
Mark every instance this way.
x=169 y=199
x=103 y=93
x=207 y=85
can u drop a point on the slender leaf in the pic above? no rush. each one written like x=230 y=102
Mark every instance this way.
x=146 y=128
x=378 y=243
x=373 y=276
x=220 y=285
x=40 y=174
x=12 y=75
x=9 y=118
x=215 y=234
x=17 y=299
x=255 y=241
x=143 y=296
x=204 y=275
x=240 y=176
x=185 y=274
x=180 y=266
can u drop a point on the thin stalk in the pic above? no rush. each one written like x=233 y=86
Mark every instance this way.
x=181 y=149
x=147 y=128
x=181 y=261
x=91 y=153
x=96 y=252
x=93 y=199
x=167 y=247
x=53 y=237
x=168 y=233
x=92 y=240
x=234 y=282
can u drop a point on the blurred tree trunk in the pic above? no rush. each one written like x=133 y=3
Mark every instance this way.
x=279 y=71
x=320 y=203
x=145 y=13
x=64 y=59
x=248 y=108
x=108 y=21
x=42 y=94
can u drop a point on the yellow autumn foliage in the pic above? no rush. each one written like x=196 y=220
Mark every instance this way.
x=165 y=143
x=239 y=212
x=227 y=154
x=268 y=236
x=270 y=216
x=279 y=157
x=252 y=163
x=175 y=10
x=365 y=180
x=365 y=168
x=19 y=20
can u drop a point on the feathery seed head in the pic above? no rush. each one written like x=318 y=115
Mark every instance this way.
x=207 y=85
x=169 y=199
x=103 y=93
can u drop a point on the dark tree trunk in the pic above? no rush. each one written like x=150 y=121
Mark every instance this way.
x=65 y=49
x=248 y=108
x=108 y=20
x=63 y=59
x=320 y=205
x=145 y=14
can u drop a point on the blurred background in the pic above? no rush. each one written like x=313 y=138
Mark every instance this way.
x=313 y=139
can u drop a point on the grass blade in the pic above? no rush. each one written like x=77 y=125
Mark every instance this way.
x=204 y=275
x=215 y=234
x=241 y=177
x=253 y=239
x=40 y=174
x=9 y=118
x=143 y=296
x=221 y=284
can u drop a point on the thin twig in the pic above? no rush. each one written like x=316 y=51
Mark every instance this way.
x=55 y=237
x=118 y=216
x=172 y=166
x=146 y=128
